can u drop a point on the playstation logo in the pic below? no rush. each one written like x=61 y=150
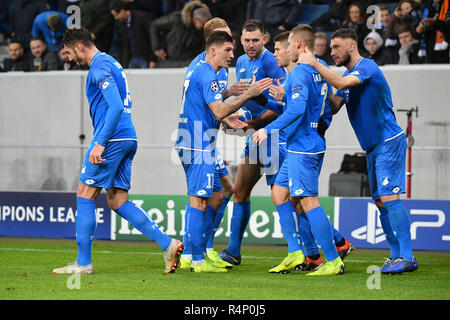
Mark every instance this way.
x=372 y=232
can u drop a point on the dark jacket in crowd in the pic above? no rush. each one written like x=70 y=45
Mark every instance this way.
x=274 y=12
x=138 y=43
x=176 y=34
x=333 y=19
x=95 y=17
x=49 y=61
x=232 y=11
x=22 y=18
x=20 y=64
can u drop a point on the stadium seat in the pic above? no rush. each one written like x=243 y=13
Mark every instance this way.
x=311 y=12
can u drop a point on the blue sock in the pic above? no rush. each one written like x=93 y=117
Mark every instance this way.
x=336 y=235
x=85 y=224
x=139 y=219
x=210 y=215
x=195 y=230
x=239 y=221
x=217 y=222
x=322 y=231
x=187 y=243
x=308 y=241
x=289 y=225
x=394 y=246
x=401 y=224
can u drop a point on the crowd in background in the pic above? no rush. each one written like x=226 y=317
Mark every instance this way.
x=168 y=33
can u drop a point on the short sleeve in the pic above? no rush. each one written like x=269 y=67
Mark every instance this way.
x=363 y=71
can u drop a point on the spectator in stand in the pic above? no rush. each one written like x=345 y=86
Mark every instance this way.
x=95 y=17
x=436 y=30
x=134 y=39
x=373 y=44
x=356 y=21
x=42 y=59
x=22 y=17
x=50 y=25
x=177 y=38
x=17 y=60
x=333 y=19
x=406 y=12
x=66 y=63
x=321 y=48
x=409 y=47
x=276 y=15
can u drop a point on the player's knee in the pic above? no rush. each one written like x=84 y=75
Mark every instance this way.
x=241 y=195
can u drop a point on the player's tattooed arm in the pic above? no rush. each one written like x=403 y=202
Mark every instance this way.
x=223 y=109
x=235 y=90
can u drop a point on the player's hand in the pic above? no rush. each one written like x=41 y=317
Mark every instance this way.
x=238 y=88
x=277 y=92
x=95 y=157
x=258 y=87
x=259 y=136
x=306 y=57
x=233 y=121
x=161 y=54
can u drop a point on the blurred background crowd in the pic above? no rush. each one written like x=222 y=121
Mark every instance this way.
x=168 y=33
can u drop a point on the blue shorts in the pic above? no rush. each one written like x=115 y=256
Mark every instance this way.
x=202 y=178
x=221 y=167
x=386 y=167
x=115 y=171
x=267 y=154
x=303 y=171
x=282 y=177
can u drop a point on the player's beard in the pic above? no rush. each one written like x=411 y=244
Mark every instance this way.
x=345 y=61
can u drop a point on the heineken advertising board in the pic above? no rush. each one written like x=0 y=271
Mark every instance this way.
x=168 y=212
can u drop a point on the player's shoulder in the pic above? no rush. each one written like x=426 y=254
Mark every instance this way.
x=323 y=62
x=202 y=71
x=242 y=59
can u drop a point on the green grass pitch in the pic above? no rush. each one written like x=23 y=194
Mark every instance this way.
x=133 y=271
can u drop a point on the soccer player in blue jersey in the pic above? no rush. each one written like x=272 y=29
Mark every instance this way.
x=293 y=222
x=307 y=94
x=223 y=188
x=202 y=110
x=108 y=160
x=367 y=96
x=260 y=63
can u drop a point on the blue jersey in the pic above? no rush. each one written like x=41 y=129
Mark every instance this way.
x=369 y=105
x=265 y=66
x=222 y=74
x=307 y=98
x=198 y=126
x=109 y=100
x=41 y=29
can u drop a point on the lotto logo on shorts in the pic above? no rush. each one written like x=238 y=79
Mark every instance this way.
x=89 y=181
x=202 y=192
x=299 y=192
x=396 y=190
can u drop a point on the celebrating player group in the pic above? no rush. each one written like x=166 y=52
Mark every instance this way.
x=288 y=101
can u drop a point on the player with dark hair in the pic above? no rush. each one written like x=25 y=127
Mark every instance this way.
x=202 y=110
x=307 y=94
x=108 y=160
x=223 y=187
x=260 y=63
x=366 y=93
